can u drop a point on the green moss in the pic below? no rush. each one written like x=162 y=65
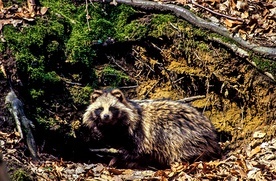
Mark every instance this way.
x=223 y=38
x=80 y=95
x=20 y=175
x=120 y=18
x=161 y=25
x=35 y=94
x=48 y=123
x=112 y=76
x=8 y=3
x=203 y=46
x=265 y=64
x=52 y=46
x=135 y=31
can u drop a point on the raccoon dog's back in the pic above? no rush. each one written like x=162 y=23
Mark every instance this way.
x=164 y=130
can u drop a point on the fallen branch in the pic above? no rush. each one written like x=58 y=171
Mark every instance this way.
x=192 y=98
x=179 y=11
x=107 y=150
x=15 y=106
x=185 y=100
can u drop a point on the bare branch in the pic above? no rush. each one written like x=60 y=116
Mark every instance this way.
x=87 y=14
x=107 y=150
x=184 y=100
x=216 y=13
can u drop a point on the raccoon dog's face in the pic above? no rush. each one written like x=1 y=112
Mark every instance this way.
x=106 y=108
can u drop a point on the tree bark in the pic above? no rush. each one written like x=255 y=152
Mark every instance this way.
x=16 y=109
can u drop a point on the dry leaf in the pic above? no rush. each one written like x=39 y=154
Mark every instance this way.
x=254 y=151
x=265 y=12
x=244 y=15
x=184 y=2
x=213 y=2
x=231 y=23
x=242 y=5
x=258 y=134
x=272 y=12
x=115 y=171
x=232 y=4
x=128 y=172
x=43 y=10
x=222 y=7
x=1 y=4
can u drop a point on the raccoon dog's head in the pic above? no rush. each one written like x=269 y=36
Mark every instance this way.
x=107 y=108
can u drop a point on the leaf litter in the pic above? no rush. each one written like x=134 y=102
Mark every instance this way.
x=252 y=20
x=258 y=162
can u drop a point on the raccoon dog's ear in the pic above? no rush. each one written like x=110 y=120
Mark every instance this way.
x=95 y=95
x=119 y=94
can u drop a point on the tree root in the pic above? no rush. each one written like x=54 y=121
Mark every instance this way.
x=15 y=107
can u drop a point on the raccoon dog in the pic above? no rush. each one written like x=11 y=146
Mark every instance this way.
x=165 y=131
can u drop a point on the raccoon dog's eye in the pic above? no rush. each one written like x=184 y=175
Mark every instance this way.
x=98 y=111
x=113 y=109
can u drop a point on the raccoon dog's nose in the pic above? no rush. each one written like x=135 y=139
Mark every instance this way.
x=106 y=116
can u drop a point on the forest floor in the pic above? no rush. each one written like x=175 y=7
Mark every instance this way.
x=258 y=163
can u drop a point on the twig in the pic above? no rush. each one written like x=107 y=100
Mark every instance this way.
x=216 y=13
x=114 y=61
x=192 y=98
x=174 y=27
x=92 y=3
x=87 y=14
x=72 y=83
x=107 y=150
x=177 y=80
x=69 y=82
x=128 y=87
x=155 y=46
x=184 y=100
